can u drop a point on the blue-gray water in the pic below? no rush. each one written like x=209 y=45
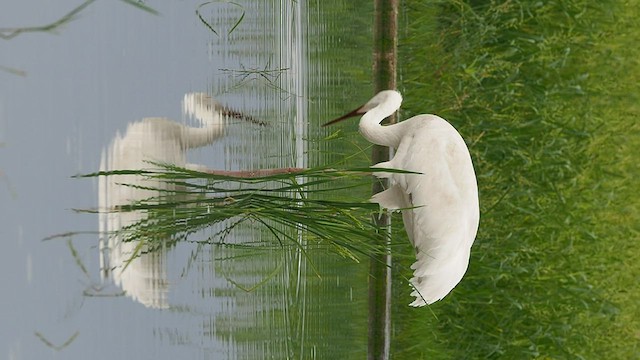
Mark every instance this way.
x=113 y=65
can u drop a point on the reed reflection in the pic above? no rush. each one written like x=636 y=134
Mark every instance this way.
x=137 y=268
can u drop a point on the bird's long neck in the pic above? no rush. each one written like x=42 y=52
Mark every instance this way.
x=193 y=137
x=371 y=129
x=207 y=112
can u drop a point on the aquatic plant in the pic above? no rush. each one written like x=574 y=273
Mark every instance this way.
x=290 y=205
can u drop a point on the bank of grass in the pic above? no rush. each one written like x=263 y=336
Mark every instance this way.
x=546 y=95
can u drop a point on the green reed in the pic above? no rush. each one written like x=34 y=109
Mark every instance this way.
x=311 y=202
x=73 y=14
x=208 y=24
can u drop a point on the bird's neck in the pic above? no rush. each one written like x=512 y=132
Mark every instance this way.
x=371 y=129
x=193 y=137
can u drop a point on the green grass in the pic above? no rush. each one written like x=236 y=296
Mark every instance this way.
x=545 y=93
x=54 y=27
x=73 y=14
x=209 y=26
x=312 y=200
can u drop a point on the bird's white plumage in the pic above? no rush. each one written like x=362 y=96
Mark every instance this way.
x=144 y=143
x=440 y=203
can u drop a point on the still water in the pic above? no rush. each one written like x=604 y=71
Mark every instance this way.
x=70 y=100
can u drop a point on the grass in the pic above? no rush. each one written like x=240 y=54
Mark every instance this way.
x=283 y=205
x=211 y=27
x=52 y=27
x=10 y=33
x=546 y=95
x=245 y=77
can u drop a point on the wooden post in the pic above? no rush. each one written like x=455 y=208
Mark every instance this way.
x=384 y=78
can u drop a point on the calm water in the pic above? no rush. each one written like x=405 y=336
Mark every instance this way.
x=289 y=63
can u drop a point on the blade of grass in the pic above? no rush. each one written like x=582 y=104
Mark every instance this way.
x=142 y=6
x=9 y=33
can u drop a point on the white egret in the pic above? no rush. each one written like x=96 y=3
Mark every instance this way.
x=148 y=141
x=439 y=204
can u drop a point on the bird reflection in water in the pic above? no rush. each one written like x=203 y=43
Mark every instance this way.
x=139 y=272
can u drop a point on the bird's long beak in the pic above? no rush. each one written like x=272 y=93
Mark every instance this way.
x=356 y=112
x=238 y=115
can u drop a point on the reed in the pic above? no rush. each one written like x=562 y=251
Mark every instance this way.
x=279 y=201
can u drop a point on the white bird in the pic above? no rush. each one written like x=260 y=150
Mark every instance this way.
x=439 y=204
x=148 y=141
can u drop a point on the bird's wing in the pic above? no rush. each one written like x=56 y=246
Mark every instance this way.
x=444 y=217
x=395 y=198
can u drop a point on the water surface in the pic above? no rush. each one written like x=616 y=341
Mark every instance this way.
x=279 y=61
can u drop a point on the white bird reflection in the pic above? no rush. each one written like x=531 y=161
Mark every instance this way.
x=151 y=140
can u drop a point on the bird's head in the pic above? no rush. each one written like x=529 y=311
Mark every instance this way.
x=384 y=96
x=205 y=109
